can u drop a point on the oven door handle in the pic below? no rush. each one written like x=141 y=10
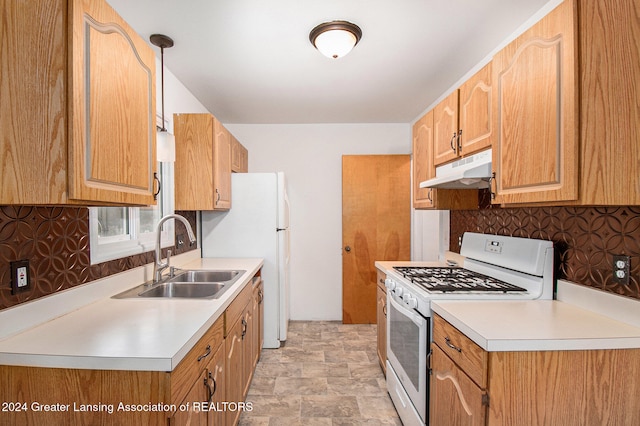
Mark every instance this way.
x=415 y=317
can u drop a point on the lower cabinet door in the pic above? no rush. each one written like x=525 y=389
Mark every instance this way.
x=215 y=374
x=194 y=413
x=455 y=399
x=234 y=374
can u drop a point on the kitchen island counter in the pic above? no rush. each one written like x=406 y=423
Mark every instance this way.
x=143 y=334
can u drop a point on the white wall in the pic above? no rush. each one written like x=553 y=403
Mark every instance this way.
x=311 y=157
x=177 y=98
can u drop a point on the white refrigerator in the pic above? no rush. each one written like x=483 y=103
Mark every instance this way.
x=257 y=225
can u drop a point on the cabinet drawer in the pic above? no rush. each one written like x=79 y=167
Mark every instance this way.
x=470 y=357
x=188 y=370
x=236 y=308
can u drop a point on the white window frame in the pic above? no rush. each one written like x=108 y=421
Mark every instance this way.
x=116 y=247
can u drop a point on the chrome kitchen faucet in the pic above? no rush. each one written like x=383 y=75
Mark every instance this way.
x=158 y=264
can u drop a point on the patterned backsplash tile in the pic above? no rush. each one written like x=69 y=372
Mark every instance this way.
x=585 y=238
x=56 y=242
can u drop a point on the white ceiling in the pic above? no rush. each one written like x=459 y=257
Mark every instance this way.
x=250 y=61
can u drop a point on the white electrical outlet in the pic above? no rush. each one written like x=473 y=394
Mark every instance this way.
x=21 y=273
x=621 y=269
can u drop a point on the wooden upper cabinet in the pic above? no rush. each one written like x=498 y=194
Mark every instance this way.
x=535 y=111
x=609 y=92
x=222 y=167
x=203 y=163
x=462 y=123
x=445 y=130
x=423 y=168
x=239 y=157
x=475 y=112
x=78 y=123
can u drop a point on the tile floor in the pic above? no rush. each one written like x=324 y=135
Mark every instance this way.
x=326 y=374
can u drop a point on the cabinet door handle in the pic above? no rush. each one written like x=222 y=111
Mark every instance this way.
x=384 y=310
x=156 y=179
x=451 y=345
x=244 y=328
x=429 y=195
x=459 y=141
x=205 y=354
x=492 y=179
x=217 y=196
x=210 y=389
x=260 y=296
x=453 y=148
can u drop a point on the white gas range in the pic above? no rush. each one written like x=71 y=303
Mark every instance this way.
x=495 y=267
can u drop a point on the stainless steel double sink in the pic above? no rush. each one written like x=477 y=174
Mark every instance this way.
x=188 y=284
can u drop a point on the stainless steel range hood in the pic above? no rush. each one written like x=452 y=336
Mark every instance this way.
x=471 y=172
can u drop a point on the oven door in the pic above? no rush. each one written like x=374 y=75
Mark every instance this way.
x=407 y=349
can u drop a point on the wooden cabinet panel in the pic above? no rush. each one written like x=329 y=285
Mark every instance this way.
x=454 y=398
x=564 y=387
x=80 y=115
x=203 y=163
x=215 y=375
x=573 y=387
x=234 y=365
x=258 y=318
x=445 y=130
x=239 y=157
x=382 y=325
x=475 y=112
x=195 y=415
x=535 y=111
x=423 y=169
x=471 y=358
x=609 y=111
x=222 y=167
x=196 y=360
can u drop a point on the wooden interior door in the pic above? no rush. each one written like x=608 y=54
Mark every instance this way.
x=376 y=225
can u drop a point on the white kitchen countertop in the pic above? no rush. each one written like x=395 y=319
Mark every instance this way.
x=122 y=334
x=537 y=325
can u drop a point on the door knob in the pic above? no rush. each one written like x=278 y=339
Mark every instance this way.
x=347 y=249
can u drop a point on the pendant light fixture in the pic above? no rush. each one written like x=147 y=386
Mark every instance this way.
x=336 y=38
x=165 y=141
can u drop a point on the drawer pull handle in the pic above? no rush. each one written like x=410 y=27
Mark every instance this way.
x=244 y=328
x=206 y=354
x=451 y=345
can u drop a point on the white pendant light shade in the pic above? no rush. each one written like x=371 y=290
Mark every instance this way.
x=165 y=141
x=335 y=39
x=165 y=147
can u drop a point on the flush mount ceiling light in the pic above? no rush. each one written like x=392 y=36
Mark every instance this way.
x=336 y=38
x=165 y=141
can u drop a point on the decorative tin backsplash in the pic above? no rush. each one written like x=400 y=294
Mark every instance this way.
x=56 y=242
x=585 y=238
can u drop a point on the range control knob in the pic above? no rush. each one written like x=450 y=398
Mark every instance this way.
x=398 y=291
x=389 y=284
x=410 y=301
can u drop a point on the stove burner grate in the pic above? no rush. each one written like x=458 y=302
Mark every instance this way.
x=454 y=279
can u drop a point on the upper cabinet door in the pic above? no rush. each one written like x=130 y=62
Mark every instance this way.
x=475 y=112
x=112 y=108
x=423 y=161
x=445 y=127
x=222 y=167
x=535 y=150
x=203 y=163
